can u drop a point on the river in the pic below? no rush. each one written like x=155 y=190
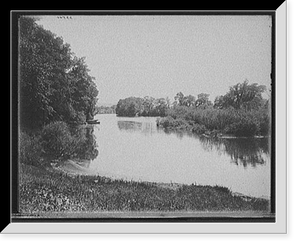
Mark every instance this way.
x=135 y=149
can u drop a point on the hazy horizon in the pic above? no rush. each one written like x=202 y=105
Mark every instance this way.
x=160 y=56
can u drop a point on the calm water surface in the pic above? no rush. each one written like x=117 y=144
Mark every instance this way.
x=134 y=149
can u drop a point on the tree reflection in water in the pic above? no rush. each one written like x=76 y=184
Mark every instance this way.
x=86 y=146
x=243 y=151
x=130 y=126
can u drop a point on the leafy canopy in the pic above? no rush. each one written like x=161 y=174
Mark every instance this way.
x=54 y=83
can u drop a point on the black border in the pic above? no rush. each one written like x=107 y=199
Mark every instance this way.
x=273 y=118
x=14 y=120
x=14 y=114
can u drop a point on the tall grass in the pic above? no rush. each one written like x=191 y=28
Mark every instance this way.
x=30 y=151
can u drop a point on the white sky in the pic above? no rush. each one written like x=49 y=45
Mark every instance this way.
x=160 y=56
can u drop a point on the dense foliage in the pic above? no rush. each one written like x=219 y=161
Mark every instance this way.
x=57 y=141
x=242 y=96
x=54 y=83
x=241 y=112
x=105 y=109
x=147 y=106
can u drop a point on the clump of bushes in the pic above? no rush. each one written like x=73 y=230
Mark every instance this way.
x=56 y=140
x=244 y=126
x=199 y=129
x=238 y=122
x=175 y=124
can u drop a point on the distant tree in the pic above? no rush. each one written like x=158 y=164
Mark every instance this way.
x=189 y=100
x=242 y=96
x=179 y=98
x=203 y=100
x=161 y=107
x=130 y=107
x=147 y=106
x=219 y=102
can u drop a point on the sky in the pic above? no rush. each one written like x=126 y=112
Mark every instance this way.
x=161 y=55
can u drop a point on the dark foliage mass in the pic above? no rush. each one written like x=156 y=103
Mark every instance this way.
x=57 y=141
x=54 y=83
x=146 y=106
x=241 y=112
x=56 y=91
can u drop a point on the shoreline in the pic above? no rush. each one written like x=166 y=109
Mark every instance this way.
x=211 y=135
x=74 y=168
x=47 y=190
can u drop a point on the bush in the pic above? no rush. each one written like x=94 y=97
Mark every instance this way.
x=264 y=123
x=30 y=149
x=245 y=126
x=199 y=129
x=57 y=141
x=229 y=121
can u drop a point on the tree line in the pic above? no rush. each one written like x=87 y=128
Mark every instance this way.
x=240 y=96
x=242 y=111
x=147 y=106
x=105 y=109
x=55 y=85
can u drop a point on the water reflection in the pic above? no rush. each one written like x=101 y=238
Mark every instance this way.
x=129 y=126
x=86 y=146
x=146 y=128
x=242 y=151
x=179 y=133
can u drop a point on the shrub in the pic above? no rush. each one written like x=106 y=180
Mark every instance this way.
x=57 y=140
x=245 y=126
x=264 y=123
x=30 y=149
x=264 y=126
x=178 y=123
x=230 y=121
x=199 y=129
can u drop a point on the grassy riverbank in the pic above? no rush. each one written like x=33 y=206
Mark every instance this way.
x=215 y=122
x=47 y=190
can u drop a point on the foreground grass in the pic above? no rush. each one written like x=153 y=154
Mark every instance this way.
x=47 y=190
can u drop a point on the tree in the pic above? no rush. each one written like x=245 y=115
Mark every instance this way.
x=242 y=96
x=161 y=107
x=83 y=89
x=179 y=98
x=129 y=107
x=36 y=72
x=148 y=106
x=219 y=102
x=203 y=100
x=54 y=84
x=189 y=100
